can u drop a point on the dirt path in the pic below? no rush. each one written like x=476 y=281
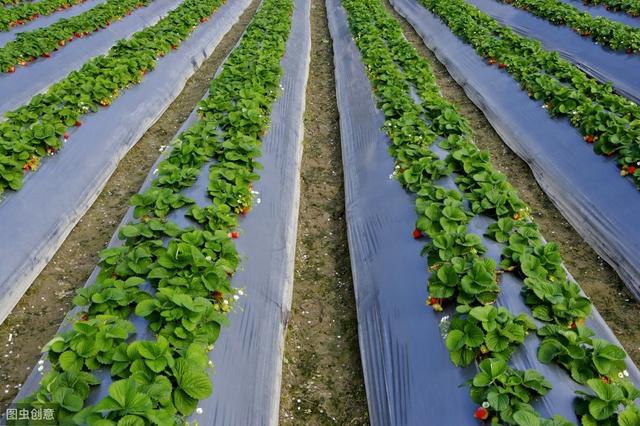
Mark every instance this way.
x=37 y=316
x=322 y=380
x=601 y=283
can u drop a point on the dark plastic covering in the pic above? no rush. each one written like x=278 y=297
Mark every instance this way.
x=586 y=188
x=35 y=220
x=599 y=10
x=248 y=354
x=17 y=89
x=45 y=21
x=598 y=61
x=408 y=375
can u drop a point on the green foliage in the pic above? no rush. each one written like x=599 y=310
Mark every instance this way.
x=178 y=278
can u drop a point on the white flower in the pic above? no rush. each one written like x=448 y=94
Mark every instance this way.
x=241 y=293
x=40 y=368
x=199 y=410
x=236 y=297
x=226 y=302
x=208 y=258
x=621 y=375
x=258 y=200
x=210 y=348
x=40 y=362
x=155 y=172
x=486 y=404
x=210 y=363
x=626 y=373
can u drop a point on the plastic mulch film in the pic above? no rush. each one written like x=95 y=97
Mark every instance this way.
x=248 y=353
x=409 y=377
x=18 y=88
x=596 y=60
x=599 y=10
x=45 y=21
x=35 y=220
x=586 y=188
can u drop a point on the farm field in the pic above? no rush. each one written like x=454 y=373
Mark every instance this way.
x=307 y=212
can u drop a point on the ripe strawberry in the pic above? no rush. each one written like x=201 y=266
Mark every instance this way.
x=481 y=413
x=46 y=55
x=77 y=124
x=245 y=210
x=234 y=234
x=11 y=69
x=66 y=136
x=217 y=296
x=501 y=66
x=589 y=139
x=417 y=233
x=605 y=379
x=631 y=169
x=61 y=43
x=491 y=61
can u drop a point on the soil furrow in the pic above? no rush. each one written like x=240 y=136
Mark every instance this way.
x=322 y=379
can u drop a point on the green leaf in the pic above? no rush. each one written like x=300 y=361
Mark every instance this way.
x=69 y=361
x=455 y=340
x=195 y=383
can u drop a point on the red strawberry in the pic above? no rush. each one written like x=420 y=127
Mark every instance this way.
x=481 y=413
x=66 y=136
x=631 y=169
x=629 y=51
x=589 y=138
x=11 y=69
x=491 y=61
x=234 y=234
x=245 y=210
x=46 y=55
x=217 y=296
x=77 y=124
x=417 y=233
x=501 y=66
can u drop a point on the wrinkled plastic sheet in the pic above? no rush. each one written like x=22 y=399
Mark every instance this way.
x=599 y=10
x=45 y=21
x=18 y=88
x=35 y=220
x=596 y=60
x=409 y=377
x=586 y=188
x=248 y=354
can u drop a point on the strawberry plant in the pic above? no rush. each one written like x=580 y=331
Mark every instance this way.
x=39 y=127
x=615 y=35
x=631 y=7
x=556 y=301
x=177 y=278
x=485 y=331
x=506 y=390
x=410 y=99
x=602 y=407
x=29 y=45
x=28 y=11
x=580 y=353
x=604 y=118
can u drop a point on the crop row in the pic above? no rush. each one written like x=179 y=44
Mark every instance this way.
x=607 y=120
x=632 y=7
x=25 y=12
x=40 y=127
x=615 y=35
x=460 y=274
x=30 y=45
x=188 y=269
